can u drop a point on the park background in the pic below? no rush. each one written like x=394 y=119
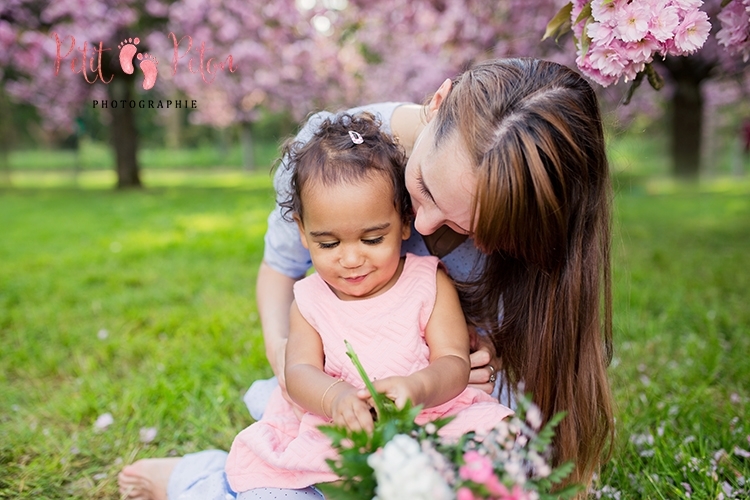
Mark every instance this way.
x=130 y=238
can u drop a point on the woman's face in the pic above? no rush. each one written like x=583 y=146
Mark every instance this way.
x=441 y=182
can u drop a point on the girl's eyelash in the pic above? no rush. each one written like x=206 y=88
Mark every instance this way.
x=328 y=245
x=373 y=241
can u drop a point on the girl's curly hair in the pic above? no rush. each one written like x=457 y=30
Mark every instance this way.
x=331 y=157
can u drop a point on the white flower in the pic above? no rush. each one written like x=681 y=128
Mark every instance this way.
x=104 y=421
x=147 y=434
x=534 y=417
x=403 y=472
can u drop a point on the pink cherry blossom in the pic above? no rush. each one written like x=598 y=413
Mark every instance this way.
x=600 y=33
x=735 y=28
x=632 y=22
x=664 y=22
x=691 y=34
x=607 y=12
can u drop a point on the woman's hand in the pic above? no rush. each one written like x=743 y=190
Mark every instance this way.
x=349 y=410
x=484 y=362
x=278 y=361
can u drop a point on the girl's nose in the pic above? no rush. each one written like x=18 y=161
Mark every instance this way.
x=351 y=258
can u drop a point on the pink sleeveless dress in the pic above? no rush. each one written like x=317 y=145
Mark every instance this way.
x=387 y=333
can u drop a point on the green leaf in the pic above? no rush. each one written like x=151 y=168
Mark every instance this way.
x=724 y=3
x=561 y=472
x=585 y=13
x=558 y=22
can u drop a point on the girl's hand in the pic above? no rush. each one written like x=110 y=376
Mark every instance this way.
x=350 y=411
x=397 y=389
x=484 y=362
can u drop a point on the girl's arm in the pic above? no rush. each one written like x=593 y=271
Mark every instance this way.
x=313 y=389
x=448 y=372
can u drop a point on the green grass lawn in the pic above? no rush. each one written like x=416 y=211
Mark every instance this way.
x=141 y=304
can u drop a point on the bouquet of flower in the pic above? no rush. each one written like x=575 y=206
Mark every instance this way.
x=403 y=460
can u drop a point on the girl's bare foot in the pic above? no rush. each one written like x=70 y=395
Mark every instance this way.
x=146 y=479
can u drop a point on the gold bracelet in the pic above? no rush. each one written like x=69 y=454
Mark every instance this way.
x=323 y=397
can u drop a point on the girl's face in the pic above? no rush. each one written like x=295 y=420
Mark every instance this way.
x=354 y=234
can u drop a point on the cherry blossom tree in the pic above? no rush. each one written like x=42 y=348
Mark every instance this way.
x=231 y=56
x=63 y=55
x=637 y=39
x=279 y=60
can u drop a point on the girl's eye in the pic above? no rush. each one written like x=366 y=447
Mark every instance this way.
x=373 y=241
x=328 y=245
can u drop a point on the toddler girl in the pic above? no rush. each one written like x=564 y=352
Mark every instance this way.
x=401 y=314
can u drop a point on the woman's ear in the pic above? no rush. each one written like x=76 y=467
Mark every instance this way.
x=301 y=229
x=438 y=98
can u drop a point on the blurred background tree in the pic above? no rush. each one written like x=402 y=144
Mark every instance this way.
x=294 y=57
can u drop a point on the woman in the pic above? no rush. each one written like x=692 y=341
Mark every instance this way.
x=509 y=182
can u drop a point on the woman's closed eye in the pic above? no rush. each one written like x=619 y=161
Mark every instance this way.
x=373 y=241
x=423 y=189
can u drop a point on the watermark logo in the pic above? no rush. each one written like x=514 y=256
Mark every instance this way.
x=148 y=64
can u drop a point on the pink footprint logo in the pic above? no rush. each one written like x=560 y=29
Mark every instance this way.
x=127 y=51
x=150 y=71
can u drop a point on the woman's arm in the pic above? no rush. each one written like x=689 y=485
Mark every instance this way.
x=448 y=339
x=274 y=294
x=313 y=389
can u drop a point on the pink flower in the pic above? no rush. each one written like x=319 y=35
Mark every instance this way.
x=632 y=22
x=692 y=32
x=606 y=12
x=607 y=60
x=600 y=33
x=516 y=494
x=735 y=28
x=641 y=51
x=464 y=493
x=478 y=468
x=664 y=23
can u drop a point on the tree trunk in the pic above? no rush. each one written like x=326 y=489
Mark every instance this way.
x=7 y=138
x=248 y=148
x=686 y=112
x=124 y=135
x=687 y=128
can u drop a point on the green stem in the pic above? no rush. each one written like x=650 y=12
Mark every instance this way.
x=376 y=396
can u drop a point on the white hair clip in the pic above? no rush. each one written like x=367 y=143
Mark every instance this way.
x=356 y=137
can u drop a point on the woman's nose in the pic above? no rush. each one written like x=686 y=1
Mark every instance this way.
x=427 y=221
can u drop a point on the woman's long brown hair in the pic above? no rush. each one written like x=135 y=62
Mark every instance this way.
x=534 y=132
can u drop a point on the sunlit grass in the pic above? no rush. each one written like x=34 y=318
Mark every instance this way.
x=98 y=155
x=141 y=304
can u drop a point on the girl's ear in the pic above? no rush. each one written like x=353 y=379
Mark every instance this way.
x=438 y=98
x=405 y=231
x=301 y=229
